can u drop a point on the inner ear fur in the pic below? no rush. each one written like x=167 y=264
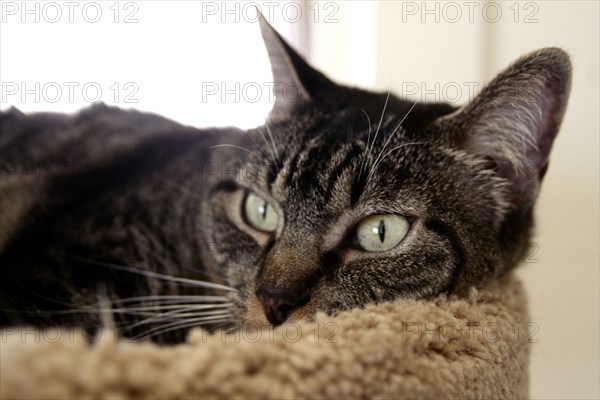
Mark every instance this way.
x=512 y=123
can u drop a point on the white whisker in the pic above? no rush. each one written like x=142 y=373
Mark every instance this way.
x=106 y=315
x=369 y=149
x=267 y=144
x=181 y=324
x=184 y=326
x=386 y=154
x=143 y=310
x=364 y=161
x=187 y=281
x=236 y=147
x=127 y=310
x=392 y=135
x=380 y=120
x=165 y=299
x=273 y=143
x=174 y=315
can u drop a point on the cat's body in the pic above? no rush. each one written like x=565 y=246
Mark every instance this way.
x=107 y=185
x=343 y=198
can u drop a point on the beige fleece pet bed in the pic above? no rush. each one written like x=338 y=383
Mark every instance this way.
x=447 y=348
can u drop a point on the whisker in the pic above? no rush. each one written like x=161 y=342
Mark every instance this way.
x=273 y=143
x=184 y=323
x=127 y=310
x=216 y=322
x=368 y=125
x=172 y=298
x=187 y=281
x=380 y=120
x=364 y=161
x=184 y=312
x=393 y=133
x=267 y=144
x=386 y=154
x=174 y=315
x=369 y=149
x=106 y=315
x=143 y=310
x=237 y=147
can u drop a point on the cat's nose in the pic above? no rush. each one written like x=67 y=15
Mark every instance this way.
x=278 y=304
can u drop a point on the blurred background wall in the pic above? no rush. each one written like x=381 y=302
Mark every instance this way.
x=203 y=63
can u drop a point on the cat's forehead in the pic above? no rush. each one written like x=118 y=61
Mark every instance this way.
x=320 y=164
x=333 y=169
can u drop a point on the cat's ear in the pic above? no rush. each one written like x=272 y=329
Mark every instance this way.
x=295 y=82
x=515 y=118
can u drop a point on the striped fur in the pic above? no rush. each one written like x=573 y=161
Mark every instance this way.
x=134 y=209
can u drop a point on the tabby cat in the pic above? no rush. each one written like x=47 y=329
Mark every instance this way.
x=343 y=197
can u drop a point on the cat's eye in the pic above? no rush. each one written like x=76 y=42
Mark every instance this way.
x=259 y=213
x=381 y=232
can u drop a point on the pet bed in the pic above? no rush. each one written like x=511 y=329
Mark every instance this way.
x=440 y=348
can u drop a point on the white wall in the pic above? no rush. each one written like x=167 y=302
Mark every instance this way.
x=564 y=286
x=161 y=56
x=412 y=48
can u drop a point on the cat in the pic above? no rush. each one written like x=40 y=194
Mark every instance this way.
x=344 y=197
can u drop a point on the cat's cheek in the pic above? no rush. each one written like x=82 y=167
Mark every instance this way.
x=255 y=315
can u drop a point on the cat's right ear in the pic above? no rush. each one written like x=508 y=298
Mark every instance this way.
x=514 y=120
x=295 y=83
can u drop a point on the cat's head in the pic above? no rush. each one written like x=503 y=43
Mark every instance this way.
x=349 y=197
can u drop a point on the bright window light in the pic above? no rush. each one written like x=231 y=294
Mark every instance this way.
x=199 y=63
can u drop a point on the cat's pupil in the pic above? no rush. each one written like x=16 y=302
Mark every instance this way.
x=263 y=210
x=381 y=231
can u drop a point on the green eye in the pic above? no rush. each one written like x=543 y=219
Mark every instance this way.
x=259 y=213
x=381 y=232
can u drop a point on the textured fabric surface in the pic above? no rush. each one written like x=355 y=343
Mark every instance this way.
x=442 y=348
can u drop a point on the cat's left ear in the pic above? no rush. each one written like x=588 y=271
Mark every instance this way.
x=514 y=120
x=296 y=83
